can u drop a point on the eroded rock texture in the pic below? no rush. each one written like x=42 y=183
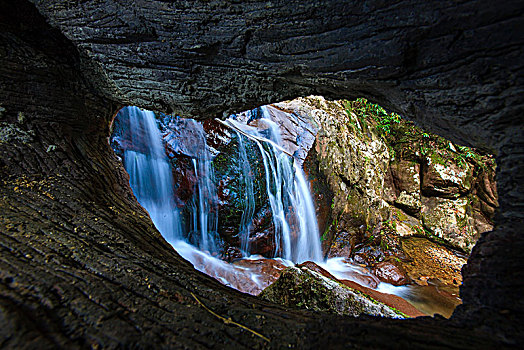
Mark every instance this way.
x=81 y=263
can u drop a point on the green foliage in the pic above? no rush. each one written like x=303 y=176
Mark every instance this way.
x=407 y=141
x=364 y=109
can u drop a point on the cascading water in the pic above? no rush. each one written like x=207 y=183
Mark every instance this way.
x=149 y=169
x=248 y=195
x=293 y=214
x=205 y=208
x=294 y=218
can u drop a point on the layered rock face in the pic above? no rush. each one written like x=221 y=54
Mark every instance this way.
x=81 y=261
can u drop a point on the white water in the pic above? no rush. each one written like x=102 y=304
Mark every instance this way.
x=150 y=172
x=248 y=195
x=296 y=228
x=205 y=204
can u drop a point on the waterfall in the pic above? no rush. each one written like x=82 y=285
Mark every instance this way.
x=248 y=195
x=296 y=229
x=205 y=202
x=149 y=170
x=293 y=215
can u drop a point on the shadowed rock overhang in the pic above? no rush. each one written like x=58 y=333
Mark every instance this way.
x=80 y=260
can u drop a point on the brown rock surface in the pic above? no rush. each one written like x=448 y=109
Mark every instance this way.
x=447 y=180
x=429 y=260
x=391 y=272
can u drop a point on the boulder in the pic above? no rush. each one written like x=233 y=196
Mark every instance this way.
x=263 y=272
x=304 y=288
x=361 y=284
x=403 y=224
x=391 y=271
x=297 y=131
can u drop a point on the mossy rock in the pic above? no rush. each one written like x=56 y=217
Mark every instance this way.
x=307 y=289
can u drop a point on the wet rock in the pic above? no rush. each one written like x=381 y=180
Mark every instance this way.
x=445 y=179
x=297 y=130
x=342 y=244
x=314 y=267
x=246 y=275
x=182 y=137
x=369 y=255
x=389 y=299
x=363 y=285
x=232 y=253
x=267 y=271
x=184 y=179
x=218 y=136
x=391 y=272
x=262 y=233
x=303 y=288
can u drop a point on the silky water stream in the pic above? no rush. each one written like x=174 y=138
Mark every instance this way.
x=137 y=139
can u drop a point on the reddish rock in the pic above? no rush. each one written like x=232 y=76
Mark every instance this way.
x=314 y=267
x=217 y=134
x=184 y=179
x=262 y=233
x=405 y=175
x=263 y=242
x=388 y=299
x=390 y=191
x=266 y=271
x=232 y=254
x=389 y=272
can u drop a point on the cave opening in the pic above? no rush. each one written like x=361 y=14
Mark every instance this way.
x=80 y=267
x=387 y=209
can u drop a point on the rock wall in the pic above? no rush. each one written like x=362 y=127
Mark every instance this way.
x=390 y=180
